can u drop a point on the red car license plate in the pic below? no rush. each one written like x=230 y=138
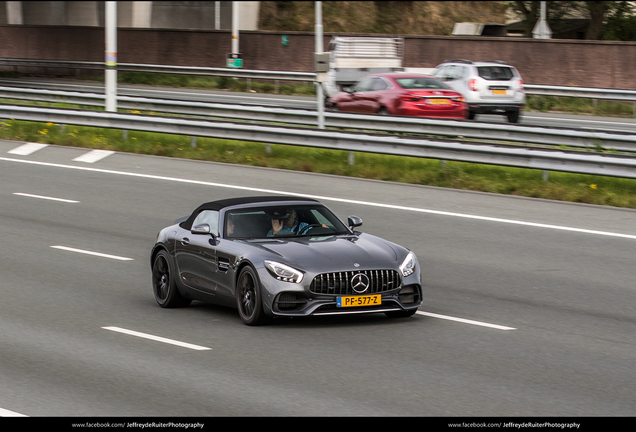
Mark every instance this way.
x=439 y=101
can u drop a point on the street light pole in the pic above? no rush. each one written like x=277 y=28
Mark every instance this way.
x=319 y=49
x=111 y=56
x=235 y=27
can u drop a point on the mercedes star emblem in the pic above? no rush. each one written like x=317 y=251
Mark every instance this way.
x=360 y=282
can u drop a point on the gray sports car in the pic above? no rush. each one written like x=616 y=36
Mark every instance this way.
x=281 y=256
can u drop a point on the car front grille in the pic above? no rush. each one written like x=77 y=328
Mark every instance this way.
x=343 y=283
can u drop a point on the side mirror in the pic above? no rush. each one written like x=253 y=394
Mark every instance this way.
x=200 y=229
x=354 y=221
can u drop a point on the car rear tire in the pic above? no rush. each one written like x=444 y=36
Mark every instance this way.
x=248 y=298
x=513 y=116
x=383 y=111
x=471 y=115
x=164 y=287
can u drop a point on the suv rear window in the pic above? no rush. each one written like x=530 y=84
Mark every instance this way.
x=495 y=73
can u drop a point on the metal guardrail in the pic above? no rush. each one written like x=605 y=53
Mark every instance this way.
x=583 y=92
x=532 y=89
x=554 y=137
x=548 y=160
x=132 y=67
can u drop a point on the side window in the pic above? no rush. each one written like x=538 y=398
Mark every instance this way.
x=460 y=72
x=364 y=85
x=210 y=217
x=454 y=72
x=440 y=73
x=379 y=84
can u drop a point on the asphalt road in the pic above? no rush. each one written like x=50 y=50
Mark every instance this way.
x=529 y=308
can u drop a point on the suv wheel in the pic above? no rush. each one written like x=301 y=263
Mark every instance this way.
x=513 y=116
x=471 y=115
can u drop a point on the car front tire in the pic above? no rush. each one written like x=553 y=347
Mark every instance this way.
x=248 y=298
x=163 y=285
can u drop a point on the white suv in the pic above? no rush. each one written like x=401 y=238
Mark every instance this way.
x=489 y=87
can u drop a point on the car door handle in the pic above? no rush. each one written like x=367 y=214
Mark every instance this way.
x=185 y=241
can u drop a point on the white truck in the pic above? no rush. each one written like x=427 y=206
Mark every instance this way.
x=352 y=58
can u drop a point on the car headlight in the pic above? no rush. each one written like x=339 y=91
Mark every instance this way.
x=283 y=272
x=408 y=265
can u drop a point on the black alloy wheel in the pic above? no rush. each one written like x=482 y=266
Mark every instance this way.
x=248 y=298
x=163 y=284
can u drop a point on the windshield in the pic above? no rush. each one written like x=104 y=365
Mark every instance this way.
x=282 y=221
x=421 y=83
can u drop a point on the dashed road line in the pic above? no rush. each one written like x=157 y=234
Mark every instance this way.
x=45 y=197
x=7 y=413
x=157 y=338
x=93 y=156
x=27 y=149
x=86 y=252
x=465 y=321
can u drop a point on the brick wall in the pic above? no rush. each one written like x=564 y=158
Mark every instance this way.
x=556 y=62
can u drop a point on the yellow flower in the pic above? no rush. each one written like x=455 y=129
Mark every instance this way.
x=49 y=124
x=593 y=186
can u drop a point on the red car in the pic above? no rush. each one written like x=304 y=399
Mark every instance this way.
x=403 y=94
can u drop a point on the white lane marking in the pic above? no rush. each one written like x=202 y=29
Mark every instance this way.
x=27 y=149
x=465 y=321
x=7 y=413
x=45 y=197
x=93 y=156
x=115 y=257
x=157 y=338
x=349 y=201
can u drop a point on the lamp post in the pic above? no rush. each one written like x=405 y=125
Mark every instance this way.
x=111 y=56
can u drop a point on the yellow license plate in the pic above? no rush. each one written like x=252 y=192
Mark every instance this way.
x=352 y=301
x=439 y=101
x=499 y=92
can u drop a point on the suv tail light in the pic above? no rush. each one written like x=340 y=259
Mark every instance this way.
x=472 y=84
x=409 y=97
x=521 y=85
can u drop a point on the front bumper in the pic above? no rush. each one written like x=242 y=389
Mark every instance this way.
x=294 y=303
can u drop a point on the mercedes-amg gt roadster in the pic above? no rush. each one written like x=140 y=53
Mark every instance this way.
x=281 y=257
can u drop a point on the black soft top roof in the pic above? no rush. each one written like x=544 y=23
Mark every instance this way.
x=228 y=202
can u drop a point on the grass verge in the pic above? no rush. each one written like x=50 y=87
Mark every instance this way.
x=458 y=175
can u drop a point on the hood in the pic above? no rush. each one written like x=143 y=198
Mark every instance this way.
x=333 y=253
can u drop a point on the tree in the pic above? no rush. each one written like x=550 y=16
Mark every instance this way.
x=596 y=11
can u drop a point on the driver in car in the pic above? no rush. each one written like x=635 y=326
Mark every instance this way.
x=285 y=223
